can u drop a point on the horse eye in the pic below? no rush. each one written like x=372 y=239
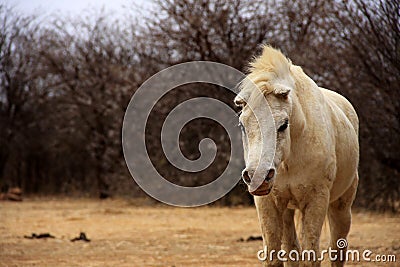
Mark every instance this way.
x=283 y=126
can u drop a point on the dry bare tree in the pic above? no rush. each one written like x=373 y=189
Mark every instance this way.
x=21 y=93
x=93 y=71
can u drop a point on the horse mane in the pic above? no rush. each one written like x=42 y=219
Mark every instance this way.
x=270 y=72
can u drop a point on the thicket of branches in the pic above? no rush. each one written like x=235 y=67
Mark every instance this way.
x=65 y=83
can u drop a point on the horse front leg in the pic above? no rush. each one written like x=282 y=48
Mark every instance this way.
x=271 y=221
x=289 y=238
x=313 y=217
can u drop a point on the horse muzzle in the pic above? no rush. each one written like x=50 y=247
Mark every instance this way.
x=263 y=190
x=265 y=187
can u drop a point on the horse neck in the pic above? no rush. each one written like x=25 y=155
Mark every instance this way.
x=298 y=118
x=305 y=97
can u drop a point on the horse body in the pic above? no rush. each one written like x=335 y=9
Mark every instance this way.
x=325 y=153
x=316 y=158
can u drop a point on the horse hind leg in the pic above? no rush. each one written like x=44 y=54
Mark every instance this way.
x=339 y=215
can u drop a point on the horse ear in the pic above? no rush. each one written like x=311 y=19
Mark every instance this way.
x=281 y=90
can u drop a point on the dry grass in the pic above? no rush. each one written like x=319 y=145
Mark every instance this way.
x=125 y=234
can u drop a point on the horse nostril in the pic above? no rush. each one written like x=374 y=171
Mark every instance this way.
x=270 y=175
x=246 y=177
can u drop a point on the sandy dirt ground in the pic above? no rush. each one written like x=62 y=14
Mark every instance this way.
x=124 y=233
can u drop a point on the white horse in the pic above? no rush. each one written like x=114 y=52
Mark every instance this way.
x=314 y=168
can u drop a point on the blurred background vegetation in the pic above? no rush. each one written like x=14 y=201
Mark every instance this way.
x=65 y=83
